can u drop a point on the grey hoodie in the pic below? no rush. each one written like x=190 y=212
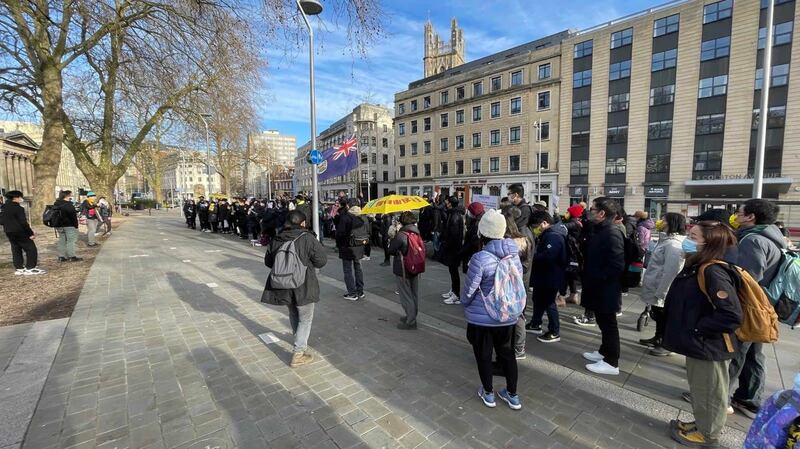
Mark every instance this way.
x=760 y=252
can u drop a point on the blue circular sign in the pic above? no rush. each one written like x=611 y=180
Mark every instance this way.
x=315 y=157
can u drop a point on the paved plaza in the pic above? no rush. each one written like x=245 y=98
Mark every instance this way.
x=164 y=351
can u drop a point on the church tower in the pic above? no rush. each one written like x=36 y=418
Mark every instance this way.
x=441 y=56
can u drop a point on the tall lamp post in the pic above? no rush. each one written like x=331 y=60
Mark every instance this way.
x=203 y=117
x=538 y=125
x=758 y=169
x=312 y=8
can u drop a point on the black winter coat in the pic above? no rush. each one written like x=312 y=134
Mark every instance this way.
x=550 y=259
x=472 y=241
x=345 y=224
x=14 y=219
x=604 y=264
x=312 y=254
x=69 y=215
x=698 y=326
x=452 y=236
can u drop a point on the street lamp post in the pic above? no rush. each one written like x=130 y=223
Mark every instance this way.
x=758 y=169
x=312 y=8
x=203 y=117
x=538 y=125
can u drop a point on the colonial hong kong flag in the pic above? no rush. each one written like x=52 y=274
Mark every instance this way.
x=339 y=160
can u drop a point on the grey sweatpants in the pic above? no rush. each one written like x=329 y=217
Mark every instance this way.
x=409 y=296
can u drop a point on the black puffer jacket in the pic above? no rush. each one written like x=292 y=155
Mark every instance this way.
x=604 y=263
x=69 y=215
x=346 y=223
x=699 y=326
x=452 y=236
x=14 y=220
x=312 y=254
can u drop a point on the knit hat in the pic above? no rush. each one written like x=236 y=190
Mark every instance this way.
x=492 y=225
x=475 y=209
x=354 y=210
x=575 y=211
x=541 y=203
x=90 y=193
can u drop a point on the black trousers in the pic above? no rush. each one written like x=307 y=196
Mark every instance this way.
x=21 y=243
x=609 y=348
x=485 y=340
x=661 y=320
x=367 y=249
x=204 y=222
x=191 y=221
x=455 y=278
x=385 y=244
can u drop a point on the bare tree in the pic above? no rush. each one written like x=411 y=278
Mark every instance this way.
x=154 y=159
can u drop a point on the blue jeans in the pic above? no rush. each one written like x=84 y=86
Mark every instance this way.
x=353 y=276
x=300 y=318
x=544 y=300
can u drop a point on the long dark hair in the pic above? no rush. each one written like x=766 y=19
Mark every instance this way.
x=718 y=239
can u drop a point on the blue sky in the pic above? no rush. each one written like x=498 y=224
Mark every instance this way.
x=391 y=63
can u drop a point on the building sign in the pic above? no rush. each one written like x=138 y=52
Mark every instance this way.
x=546 y=186
x=488 y=201
x=615 y=191
x=720 y=177
x=656 y=191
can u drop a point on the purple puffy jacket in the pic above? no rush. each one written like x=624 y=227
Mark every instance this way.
x=480 y=274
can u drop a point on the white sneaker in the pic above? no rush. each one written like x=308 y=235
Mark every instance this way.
x=366 y=258
x=593 y=356
x=34 y=271
x=19 y=272
x=448 y=294
x=452 y=300
x=602 y=367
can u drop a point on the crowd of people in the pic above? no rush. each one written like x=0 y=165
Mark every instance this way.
x=94 y=212
x=521 y=252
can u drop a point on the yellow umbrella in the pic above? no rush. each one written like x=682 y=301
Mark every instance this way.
x=394 y=203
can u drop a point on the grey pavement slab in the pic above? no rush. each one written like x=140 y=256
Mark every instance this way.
x=155 y=357
x=26 y=355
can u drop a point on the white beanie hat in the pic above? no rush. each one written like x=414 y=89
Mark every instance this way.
x=492 y=225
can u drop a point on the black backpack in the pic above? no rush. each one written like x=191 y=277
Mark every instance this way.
x=360 y=236
x=51 y=217
x=574 y=255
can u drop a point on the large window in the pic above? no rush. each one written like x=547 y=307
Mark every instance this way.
x=617 y=134
x=477 y=89
x=476 y=113
x=513 y=163
x=459 y=142
x=717 y=11
x=514 y=134
x=494 y=164
x=708 y=161
x=459 y=167
x=426 y=102
x=414 y=150
x=715 y=48
x=581 y=108
x=710 y=124
x=444 y=144
x=616 y=166
x=516 y=105
x=426 y=170
x=781 y=34
x=476 y=140
x=776 y=117
x=662 y=95
x=544 y=71
x=657 y=163
x=619 y=70
x=426 y=124
x=580 y=79
x=659 y=130
x=516 y=78
x=401 y=129
x=443 y=97
x=583 y=49
x=476 y=166
x=711 y=87
x=543 y=101
x=544 y=132
x=413 y=105
x=664 y=60
x=414 y=171
x=622 y=38
x=413 y=126
x=444 y=120
x=402 y=171
x=780 y=76
x=497 y=83
x=443 y=168
x=580 y=139
x=426 y=146
x=460 y=93
x=401 y=108
x=495 y=109
x=544 y=160
x=579 y=168
x=619 y=102
x=459 y=116
x=494 y=137
x=402 y=150
x=666 y=25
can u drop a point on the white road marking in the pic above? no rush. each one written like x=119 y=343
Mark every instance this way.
x=139 y=255
x=187 y=260
x=212 y=285
x=268 y=337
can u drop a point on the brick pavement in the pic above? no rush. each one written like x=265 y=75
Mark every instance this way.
x=162 y=351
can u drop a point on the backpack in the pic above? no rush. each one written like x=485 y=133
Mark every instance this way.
x=574 y=255
x=509 y=291
x=634 y=256
x=777 y=423
x=759 y=320
x=360 y=236
x=51 y=217
x=414 y=258
x=288 y=271
x=783 y=290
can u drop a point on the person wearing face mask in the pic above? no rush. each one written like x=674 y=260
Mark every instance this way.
x=664 y=263
x=701 y=327
x=516 y=196
x=91 y=213
x=67 y=227
x=604 y=264
x=548 y=275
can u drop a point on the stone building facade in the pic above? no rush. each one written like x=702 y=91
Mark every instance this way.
x=441 y=56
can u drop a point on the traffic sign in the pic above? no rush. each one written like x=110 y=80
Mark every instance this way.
x=315 y=157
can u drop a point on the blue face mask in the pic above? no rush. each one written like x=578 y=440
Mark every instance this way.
x=689 y=246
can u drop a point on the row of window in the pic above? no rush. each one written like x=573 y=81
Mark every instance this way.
x=621 y=102
x=514 y=108
x=495 y=84
x=514 y=136
x=444 y=167
x=703 y=161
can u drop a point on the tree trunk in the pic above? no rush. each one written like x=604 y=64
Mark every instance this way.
x=48 y=158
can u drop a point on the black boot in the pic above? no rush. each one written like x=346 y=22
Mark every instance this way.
x=650 y=342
